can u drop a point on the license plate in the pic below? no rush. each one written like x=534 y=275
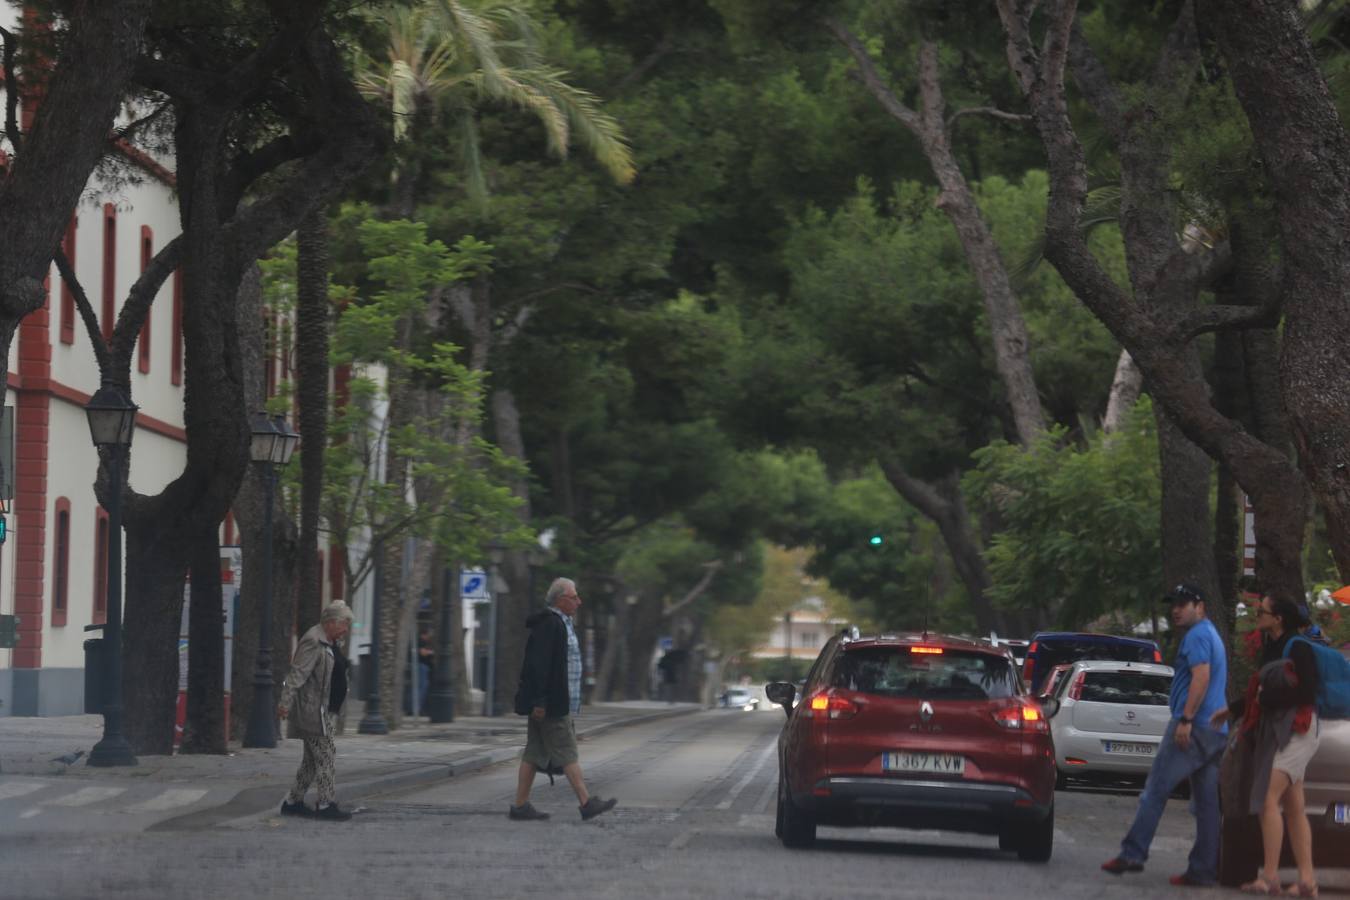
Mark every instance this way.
x=1341 y=813
x=1128 y=748
x=944 y=763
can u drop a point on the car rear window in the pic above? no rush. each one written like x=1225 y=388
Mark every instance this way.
x=898 y=672
x=1051 y=653
x=1138 y=688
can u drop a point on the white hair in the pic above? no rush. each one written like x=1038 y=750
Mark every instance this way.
x=337 y=611
x=559 y=587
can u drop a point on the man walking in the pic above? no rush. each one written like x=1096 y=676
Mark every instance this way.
x=1190 y=747
x=550 y=694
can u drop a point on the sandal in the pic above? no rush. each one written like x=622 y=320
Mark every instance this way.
x=1259 y=885
x=1299 y=889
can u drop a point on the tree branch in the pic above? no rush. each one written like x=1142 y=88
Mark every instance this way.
x=710 y=570
x=86 y=311
x=1095 y=83
x=993 y=112
x=871 y=77
x=137 y=305
x=1229 y=318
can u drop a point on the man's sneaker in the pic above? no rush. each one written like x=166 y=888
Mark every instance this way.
x=1185 y=879
x=333 y=813
x=526 y=813
x=595 y=806
x=295 y=809
x=1119 y=865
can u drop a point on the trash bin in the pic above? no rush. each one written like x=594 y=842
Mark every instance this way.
x=94 y=650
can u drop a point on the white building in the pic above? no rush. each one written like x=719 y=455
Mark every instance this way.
x=801 y=633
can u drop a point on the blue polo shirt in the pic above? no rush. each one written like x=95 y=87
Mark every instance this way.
x=1201 y=645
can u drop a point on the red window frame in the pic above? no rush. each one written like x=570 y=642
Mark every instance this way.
x=61 y=562
x=68 y=295
x=109 y=270
x=176 y=353
x=101 y=566
x=143 y=342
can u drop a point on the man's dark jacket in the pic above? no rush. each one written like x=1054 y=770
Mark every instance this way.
x=543 y=675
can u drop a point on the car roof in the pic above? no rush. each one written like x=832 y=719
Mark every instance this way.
x=1090 y=637
x=947 y=642
x=1096 y=665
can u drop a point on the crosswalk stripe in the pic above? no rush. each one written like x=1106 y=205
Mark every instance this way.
x=168 y=800
x=749 y=776
x=19 y=788
x=85 y=796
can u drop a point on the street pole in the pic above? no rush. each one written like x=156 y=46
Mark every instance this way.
x=372 y=722
x=114 y=750
x=441 y=700
x=262 y=730
x=489 y=697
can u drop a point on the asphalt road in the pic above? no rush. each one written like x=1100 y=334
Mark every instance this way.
x=695 y=819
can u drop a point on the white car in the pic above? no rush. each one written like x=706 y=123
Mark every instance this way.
x=1111 y=718
x=740 y=698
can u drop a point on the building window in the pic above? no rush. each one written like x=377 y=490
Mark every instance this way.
x=61 y=564
x=109 y=270
x=809 y=638
x=143 y=343
x=176 y=353
x=101 y=567
x=68 y=295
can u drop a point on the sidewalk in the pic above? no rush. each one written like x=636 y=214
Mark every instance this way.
x=254 y=779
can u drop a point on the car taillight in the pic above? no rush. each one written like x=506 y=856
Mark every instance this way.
x=1076 y=688
x=1021 y=718
x=1157 y=656
x=1031 y=663
x=829 y=706
x=933 y=651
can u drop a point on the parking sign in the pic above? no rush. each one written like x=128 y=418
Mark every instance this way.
x=473 y=585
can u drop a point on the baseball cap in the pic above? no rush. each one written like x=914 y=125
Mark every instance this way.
x=1184 y=593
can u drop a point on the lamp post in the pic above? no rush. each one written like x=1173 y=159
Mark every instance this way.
x=441 y=700
x=271 y=445
x=112 y=419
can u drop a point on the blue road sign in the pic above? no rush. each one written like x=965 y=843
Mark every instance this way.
x=473 y=584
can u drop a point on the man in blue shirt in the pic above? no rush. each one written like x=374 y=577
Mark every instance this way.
x=1190 y=747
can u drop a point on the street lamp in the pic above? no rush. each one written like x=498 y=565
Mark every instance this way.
x=271 y=445
x=112 y=419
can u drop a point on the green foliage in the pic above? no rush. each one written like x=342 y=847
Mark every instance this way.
x=461 y=495
x=1080 y=526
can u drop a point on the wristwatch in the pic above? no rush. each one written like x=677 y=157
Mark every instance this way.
x=1185 y=720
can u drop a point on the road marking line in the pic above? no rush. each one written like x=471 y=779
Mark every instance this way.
x=19 y=789
x=85 y=796
x=749 y=776
x=770 y=795
x=682 y=839
x=168 y=800
x=29 y=813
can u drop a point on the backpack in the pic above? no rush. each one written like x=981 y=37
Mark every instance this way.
x=1333 y=679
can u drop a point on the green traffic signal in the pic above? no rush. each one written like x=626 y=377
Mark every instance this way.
x=4 y=529
x=875 y=540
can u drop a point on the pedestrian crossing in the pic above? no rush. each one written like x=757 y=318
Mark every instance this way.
x=22 y=800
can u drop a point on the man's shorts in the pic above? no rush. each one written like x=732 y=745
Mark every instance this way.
x=550 y=741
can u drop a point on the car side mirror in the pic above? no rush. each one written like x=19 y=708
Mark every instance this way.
x=782 y=693
x=1049 y=706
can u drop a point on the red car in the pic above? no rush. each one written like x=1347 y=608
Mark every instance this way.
x=916 y=731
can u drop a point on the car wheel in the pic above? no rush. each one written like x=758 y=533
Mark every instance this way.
x=1038 y=841
x=1061 y=781
x=1007 y=840
x=1239 y=850
x=799 y=827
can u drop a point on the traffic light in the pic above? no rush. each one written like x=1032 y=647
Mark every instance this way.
x=875 y=540
x=4 y=529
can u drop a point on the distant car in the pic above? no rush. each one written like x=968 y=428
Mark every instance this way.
x=1326 y=791
x=1110 y=718
x=918 y=732
x=740 y=698
x=1052 y=648
x=1052 y=681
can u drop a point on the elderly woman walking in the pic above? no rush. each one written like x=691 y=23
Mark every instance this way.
x=316 y=688
x=1280 y=706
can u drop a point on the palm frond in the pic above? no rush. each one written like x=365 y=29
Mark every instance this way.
x=474 y=180
x=596 y=130
x=478 y=38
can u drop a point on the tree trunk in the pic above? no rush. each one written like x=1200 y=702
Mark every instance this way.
x=1306 y=152
x=518 y=602
x=204 y=731
x=1126 y=386
x=943 y=505
x=1187 y=546
x=156 y=567
x=311 y=349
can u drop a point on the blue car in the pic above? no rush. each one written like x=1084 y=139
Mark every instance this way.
x=1052 y=648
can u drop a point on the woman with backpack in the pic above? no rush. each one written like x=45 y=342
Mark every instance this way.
x=1284 y=713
